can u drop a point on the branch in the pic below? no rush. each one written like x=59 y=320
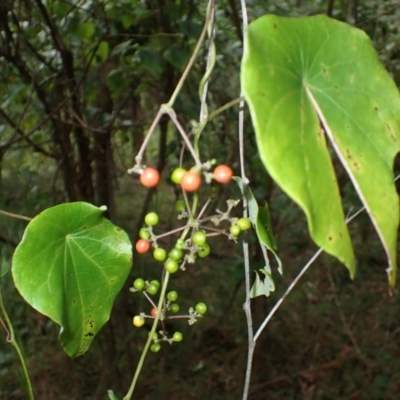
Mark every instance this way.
x=236 y=19
x=25 y=136
x=30 y=47
x=53 y=30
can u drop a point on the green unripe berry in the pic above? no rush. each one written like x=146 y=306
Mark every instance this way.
x=235 y=230
x=176 y=254
x=171 y=266
x=180 y=205
x=177 y=337
x=159 y=254
x=201 y=308
x=177 y=174
x=154 y=336
x=152 y=288
x=139 y=284
x=156 y=282
x=155 y=347
x=180 y=244
x=199 y=238
x=151 y=219
x=174 y=308
x=204 y=251
x=144 y=234
x=244 y=224
x=172 y=295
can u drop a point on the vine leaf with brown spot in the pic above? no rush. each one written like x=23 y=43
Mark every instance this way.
x=70 y=265
x=312 y=81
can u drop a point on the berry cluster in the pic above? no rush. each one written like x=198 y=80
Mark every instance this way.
x=192 y=244
x=171 y=306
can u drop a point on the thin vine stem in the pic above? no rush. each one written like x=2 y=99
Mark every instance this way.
x=246 y=255
x=165 y=107
x=218 y=111
x=203 y=90
x=139 y=367
x=211 y=57
x=301 y=273
x=288 y=290
x=139 y=156
x=176 y=122
x=211 y=5
x=11 y=339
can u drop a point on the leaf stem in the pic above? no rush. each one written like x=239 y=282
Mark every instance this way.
x=17 y=216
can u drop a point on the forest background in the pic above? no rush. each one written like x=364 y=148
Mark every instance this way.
x=81 y=83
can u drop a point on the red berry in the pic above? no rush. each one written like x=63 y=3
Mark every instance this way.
x=190 y=181
x=142 y=246
x=150 y=177
x=154 y=312
x=223 y=174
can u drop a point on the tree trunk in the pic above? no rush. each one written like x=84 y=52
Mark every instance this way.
x=103 y=154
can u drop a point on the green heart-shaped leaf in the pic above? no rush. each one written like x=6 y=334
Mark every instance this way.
x=312 y=80
x=70 y=265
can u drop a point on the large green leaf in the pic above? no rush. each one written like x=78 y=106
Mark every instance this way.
x=70 y=265
x=312 y=80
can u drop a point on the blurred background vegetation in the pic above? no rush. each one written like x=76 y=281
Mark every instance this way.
x=80 y=83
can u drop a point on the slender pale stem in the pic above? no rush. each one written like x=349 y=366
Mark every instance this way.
x=174 y=119
x=17 y=216
x=11 y=339
x=192 y=59
x=288 y=290
x=161 y=235
x=149 y=299
x=247 y=304
x=139 y=367
x=298 y=277
x=225 y=107
x=139 y=157
x=203 y=87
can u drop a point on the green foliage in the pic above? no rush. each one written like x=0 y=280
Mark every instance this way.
x=306 y=76
x=119 y=61
x=111 y=395
x=70 y=266
x=261 y=220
